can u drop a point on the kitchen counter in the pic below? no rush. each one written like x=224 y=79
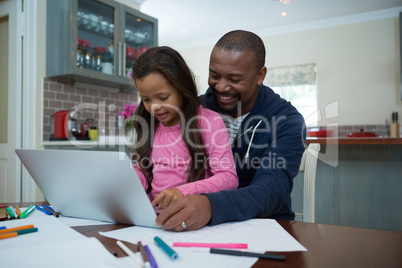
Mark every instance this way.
x=103 y=143
x=347 y=140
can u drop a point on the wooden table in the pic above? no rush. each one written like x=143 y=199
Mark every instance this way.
x=328 y=245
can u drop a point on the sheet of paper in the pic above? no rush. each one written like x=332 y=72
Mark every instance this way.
x=80 y=222
x=67 y=220
x=260 y=234
x=82 y=252
x=49 y=230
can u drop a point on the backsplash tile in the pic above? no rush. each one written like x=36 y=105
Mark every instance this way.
x=58 y=96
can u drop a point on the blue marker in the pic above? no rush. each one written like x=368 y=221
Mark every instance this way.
x=3 y=227
x=170 y=252
x=49 y=207
x=43 y=210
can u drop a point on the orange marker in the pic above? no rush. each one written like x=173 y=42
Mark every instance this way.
x=8 y=235
x=16 y=229
x=18 y=211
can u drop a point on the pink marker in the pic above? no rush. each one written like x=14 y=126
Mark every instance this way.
x=210 y=245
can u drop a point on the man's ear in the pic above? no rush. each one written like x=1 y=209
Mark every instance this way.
x=261 y=75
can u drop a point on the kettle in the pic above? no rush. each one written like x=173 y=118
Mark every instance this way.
x=64 y=124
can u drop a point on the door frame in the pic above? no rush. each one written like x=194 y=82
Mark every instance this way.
x=12 y=9
x=31 y=93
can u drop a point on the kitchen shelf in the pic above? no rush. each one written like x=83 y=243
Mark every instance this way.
x=96 y=41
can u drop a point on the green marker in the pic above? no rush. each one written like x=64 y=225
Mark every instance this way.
x=27 y=211
x=27 y=231
x=170 y=252
x=10 y=213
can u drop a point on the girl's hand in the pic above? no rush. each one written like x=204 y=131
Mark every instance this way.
x=167 y=197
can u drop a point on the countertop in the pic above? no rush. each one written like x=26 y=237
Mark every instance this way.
x=122 y=140
x=103 y=141
x=347 y=140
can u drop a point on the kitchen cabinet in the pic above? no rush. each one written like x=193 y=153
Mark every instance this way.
x=358 y=183
x=96 y=41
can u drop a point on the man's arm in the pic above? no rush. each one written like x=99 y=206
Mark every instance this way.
x=269 y=191
x=266 y=195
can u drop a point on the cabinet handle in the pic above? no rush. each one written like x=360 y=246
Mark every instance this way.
x=120 y=60
x=124 y=59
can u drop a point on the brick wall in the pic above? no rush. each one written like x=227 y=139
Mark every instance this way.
x=58 y=96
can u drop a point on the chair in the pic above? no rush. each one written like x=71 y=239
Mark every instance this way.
x=308 y=166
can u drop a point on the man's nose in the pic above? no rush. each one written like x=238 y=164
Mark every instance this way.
x=222 y=86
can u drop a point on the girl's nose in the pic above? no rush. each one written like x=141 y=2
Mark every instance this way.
x=155 y=107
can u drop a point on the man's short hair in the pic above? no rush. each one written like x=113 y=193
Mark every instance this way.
x=240 y=40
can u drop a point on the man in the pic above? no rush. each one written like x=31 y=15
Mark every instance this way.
x=267 y=135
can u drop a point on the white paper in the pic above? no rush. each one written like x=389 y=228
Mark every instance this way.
x=260 y=234
x=83 y=252
x=54 y=245
x=69 y=221
x=49 y=230
x=80 y=222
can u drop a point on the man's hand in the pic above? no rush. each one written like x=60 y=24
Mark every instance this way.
x=194 y=210
x=166 y=198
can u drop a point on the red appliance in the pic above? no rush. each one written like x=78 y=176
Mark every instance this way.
x=61 y=124
x=64 y=123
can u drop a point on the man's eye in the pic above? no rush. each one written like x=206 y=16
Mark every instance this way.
x=233 y=80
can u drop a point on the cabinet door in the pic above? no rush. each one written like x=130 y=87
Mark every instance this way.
x=97 y=32
x=139 y=34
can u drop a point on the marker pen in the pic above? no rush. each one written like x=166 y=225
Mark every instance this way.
x=14 y=210
x=47 y=212
x=170 y=252
x=11 y=213
x=27 y=211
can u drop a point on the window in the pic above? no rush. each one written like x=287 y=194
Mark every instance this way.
x=298 y=85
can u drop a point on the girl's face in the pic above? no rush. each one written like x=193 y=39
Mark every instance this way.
x=160 y=98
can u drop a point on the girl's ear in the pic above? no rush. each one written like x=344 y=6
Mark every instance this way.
x=261 y=75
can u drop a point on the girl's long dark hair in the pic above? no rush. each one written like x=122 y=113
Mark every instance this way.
x=169 y=63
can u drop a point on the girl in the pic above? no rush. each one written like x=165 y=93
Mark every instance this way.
x=181 y=148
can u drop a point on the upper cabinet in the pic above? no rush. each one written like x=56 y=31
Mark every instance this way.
x=96 y=41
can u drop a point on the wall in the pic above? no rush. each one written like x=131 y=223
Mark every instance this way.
x=358 y=66
x=63 y=96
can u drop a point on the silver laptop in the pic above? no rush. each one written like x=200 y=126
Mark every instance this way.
x=97 y=185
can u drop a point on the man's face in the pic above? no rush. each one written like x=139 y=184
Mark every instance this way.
x=232 y=78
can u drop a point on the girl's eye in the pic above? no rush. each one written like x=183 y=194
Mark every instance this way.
x=145 y=100
x=164 y=98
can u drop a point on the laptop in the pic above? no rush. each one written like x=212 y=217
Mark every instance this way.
x=98 y=185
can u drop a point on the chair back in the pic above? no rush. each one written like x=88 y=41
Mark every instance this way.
x=308 y=166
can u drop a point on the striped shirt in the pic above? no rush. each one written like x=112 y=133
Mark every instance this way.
x=232 y=125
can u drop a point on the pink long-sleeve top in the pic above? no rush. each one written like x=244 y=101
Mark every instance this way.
x=170 y=158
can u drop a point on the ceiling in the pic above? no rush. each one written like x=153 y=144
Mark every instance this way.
x=209 y=19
